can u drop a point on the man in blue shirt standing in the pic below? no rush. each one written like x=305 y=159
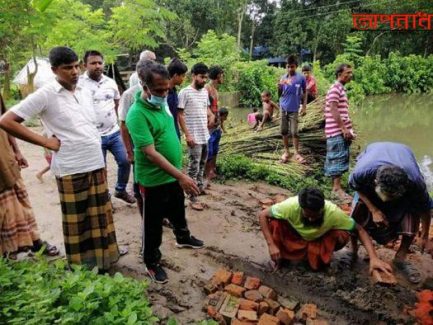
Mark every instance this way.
x=292 y=90
x=177 y=70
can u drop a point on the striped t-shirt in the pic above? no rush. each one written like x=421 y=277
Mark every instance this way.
x=195 y=104
x=336 y=94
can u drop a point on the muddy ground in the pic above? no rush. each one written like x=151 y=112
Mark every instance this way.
x=230 y=229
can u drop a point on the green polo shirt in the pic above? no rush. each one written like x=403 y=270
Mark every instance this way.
x=334 y=218
x=149 y=124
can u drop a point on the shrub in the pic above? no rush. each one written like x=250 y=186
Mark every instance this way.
x=43 y=293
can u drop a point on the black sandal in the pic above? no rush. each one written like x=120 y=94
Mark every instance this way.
x=409 y=271
x=48 y=249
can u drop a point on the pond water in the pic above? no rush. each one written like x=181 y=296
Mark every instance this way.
x=406 y=119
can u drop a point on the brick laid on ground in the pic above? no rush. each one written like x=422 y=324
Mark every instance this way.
x=252 y=283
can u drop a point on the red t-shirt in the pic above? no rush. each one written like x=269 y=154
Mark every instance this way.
x=312 y=86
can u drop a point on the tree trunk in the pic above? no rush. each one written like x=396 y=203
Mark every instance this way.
x=253 y=29
x=241 y=14
x=7 y=82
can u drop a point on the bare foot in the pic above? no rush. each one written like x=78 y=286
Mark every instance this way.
x=343 y=196
x=197 y=206
x=285 y=158
x=39 y=177
x=299 y=158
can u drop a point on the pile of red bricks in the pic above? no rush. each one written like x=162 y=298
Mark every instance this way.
x=242 y=300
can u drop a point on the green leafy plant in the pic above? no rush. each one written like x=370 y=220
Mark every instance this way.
x=43 y=293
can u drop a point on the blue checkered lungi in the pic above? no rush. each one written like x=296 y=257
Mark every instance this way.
x=337 y=156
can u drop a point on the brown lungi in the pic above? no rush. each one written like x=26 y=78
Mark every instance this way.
x=18 y=227
x=293 y=247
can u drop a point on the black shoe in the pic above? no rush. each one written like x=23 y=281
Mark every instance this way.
x=125 y=196
x=156 y=273
x=189 y=242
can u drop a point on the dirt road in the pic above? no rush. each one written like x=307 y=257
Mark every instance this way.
x=230 y=229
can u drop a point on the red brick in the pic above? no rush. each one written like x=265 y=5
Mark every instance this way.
x=236 y=321
x=268 y=292
x=273 y=306
x=211 y=311
x=238 y=278
x=247 y=315
x=248 y=305
x=230 y=307
x=252 y=283
x=263 y=307
x=234 y=290
x=215 y=300
x=253 y=295
x=308 y=311
x=267 y=319
x=286 y=317
x=221 y=277
x=210 y=288
x=383 y=278
x=220 y=319
x=317 y=322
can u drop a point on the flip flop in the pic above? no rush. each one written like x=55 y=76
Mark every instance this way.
x=48 y=249
x=409 y=271
x=197 y=206
x=123 y=250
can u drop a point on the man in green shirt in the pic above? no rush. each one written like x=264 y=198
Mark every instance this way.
x=306 y=227
x=158 y=160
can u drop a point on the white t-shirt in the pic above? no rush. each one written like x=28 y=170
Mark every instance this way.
x=70 y=116
x=126 y=101
x=104 y=92
x=133 y=80
x=195 y=104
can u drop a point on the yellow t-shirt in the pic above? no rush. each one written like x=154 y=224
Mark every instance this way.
x=334 y=218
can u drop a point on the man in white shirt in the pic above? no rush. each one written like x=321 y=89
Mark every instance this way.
x=145 y=55
x=67 y=111
x=106 y=97
x=195 y=117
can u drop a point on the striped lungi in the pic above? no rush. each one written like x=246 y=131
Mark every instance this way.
x=317 y=252
x=407 y=224
x=18 y=227
x=88 y=227
x=337 y=156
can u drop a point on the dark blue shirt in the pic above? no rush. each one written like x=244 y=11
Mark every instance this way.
x=292 y=88
x=173 y=103
x=378 y=154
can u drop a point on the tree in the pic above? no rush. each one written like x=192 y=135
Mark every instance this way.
x=139 y=23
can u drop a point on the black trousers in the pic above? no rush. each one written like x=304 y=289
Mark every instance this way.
x=159 y=202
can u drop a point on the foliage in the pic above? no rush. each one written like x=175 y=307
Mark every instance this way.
x=252 y=78
x=43 y=293
x=242 y=167
x=139 y=23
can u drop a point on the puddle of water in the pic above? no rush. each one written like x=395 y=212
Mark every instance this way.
x=400 y=118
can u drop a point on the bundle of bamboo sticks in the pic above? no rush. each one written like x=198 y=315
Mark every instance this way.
x=265 y=147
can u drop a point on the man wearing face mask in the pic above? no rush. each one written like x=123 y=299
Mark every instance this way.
x=307 y=227
x=158 y=163
x=391 y=199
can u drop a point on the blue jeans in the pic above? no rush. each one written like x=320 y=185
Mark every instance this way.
x=114 y=144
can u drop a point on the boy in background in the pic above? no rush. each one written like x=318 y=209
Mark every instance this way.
x=268 y=109
x=213 y=145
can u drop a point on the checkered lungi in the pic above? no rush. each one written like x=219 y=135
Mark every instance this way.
x=88 y=227
x=337 y=156
x=18 y=227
